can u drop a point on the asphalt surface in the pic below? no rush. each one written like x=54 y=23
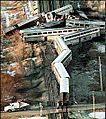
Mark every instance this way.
x=29 y=113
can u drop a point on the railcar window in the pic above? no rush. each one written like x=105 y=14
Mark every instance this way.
x=81 y=33
x=81 y=24
x=49 y=32
x=71 y=23
x=76 y=24
x=35 y=34
x=54 y=31
x=85 y=32
x=76 y=35
x=101 y=25
x=68 y=37
x=72 y=36
x=39 y=33
x=87 y=25
x=69 y=30
x=29 y=34
x=95 y=29
x=65 y=31
x=59 y=31
x=44 y=32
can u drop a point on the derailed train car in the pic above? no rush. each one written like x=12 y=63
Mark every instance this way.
x=59 y=64
x=86 y=23
x=65 y=54
x=62 y=77
x=65 y=57
x=81 y=36
x=60 y=45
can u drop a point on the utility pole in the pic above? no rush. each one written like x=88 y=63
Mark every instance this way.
x=93 y=97
x=100 y=73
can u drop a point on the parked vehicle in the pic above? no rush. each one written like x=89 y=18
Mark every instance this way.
x=16 y=106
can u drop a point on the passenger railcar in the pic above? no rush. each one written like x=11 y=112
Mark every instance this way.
x=65 y=57
x=62 y=77
x=85 y=23
x=81 y=36
x=35 y=32
x=60 y=71
x=63 y=10
x=64 y=85
x=59 y=64
x=60 y=45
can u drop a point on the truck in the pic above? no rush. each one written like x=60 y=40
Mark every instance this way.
x=16 y=106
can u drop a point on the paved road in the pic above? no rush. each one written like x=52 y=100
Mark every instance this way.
x=45 y=112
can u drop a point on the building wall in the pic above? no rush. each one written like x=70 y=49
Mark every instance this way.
x=22 y=10
x=14 y=10
x=17 y=11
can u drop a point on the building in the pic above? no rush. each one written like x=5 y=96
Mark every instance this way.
x=12 y=12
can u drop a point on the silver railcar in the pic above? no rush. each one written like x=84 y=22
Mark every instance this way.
x=81 y=36
x=35 y=32
x=65 y=57
x=62 y=77
x=60 y=71
x=60 y=45
x=85 y=23
x=63 y=10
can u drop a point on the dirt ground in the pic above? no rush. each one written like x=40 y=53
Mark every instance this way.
x=16 y=115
